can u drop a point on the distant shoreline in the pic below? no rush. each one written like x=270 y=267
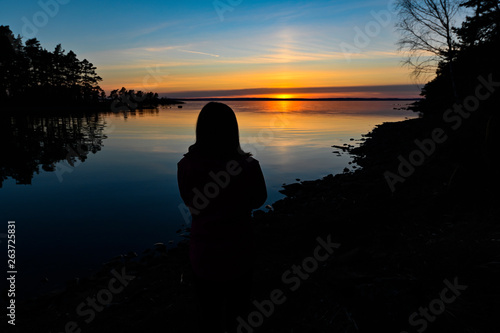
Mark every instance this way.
x=105 y=106
x=298 y=99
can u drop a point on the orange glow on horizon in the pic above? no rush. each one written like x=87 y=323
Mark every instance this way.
x=284 y=96
x=199 y=78
x=317 y=95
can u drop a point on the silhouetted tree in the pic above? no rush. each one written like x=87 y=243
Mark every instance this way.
x=31 y=74
x=475 y=55
x=482 y=27
x=11 y=63
x=427 y=35
x=125 y=100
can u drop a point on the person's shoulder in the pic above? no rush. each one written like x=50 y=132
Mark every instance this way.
x=186 y=160
x=250 y=161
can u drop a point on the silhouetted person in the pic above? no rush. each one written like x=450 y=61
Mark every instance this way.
x=221 y=185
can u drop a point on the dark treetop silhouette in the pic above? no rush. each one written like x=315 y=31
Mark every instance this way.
x=221 y=185
x=31 y=76
x=29 y=70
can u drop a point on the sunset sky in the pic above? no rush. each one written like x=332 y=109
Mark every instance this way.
x=226 y=48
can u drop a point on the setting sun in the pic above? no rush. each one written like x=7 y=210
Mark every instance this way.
x=284 y=96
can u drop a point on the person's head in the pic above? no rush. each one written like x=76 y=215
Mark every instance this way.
x=217 y=132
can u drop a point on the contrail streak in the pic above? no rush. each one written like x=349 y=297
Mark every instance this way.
x=196 y=52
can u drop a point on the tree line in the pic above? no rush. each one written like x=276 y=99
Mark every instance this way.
x=30 y=75
x=454 y=54
x=125 y=100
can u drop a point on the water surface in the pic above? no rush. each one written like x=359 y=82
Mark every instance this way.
x=85 y=189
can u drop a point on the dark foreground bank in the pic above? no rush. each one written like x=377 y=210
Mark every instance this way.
x=347 y=253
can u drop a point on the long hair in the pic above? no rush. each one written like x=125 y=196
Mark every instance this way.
x=217 y=133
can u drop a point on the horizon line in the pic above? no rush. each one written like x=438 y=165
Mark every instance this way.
x=297 y=99
x=371 y=91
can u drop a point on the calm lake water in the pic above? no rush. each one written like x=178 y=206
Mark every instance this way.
x=85 y=189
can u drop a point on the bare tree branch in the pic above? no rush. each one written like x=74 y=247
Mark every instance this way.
x=427 y=35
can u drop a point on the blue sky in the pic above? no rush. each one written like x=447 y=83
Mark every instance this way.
x=173 y=46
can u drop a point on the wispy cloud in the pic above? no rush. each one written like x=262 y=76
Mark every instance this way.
x=156 y=49
x=197 y=52
x=151 y=29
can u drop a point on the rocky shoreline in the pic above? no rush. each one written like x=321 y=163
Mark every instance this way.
x=398 y=251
